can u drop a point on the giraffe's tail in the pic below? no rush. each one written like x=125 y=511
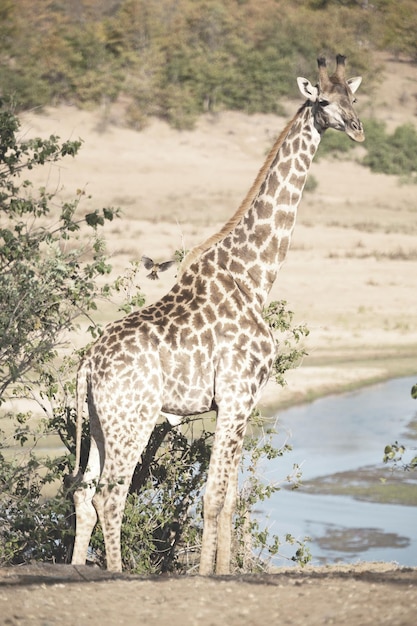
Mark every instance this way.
x=81 y=392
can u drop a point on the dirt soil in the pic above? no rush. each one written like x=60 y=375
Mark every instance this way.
x=350 y=274
x=47 y=595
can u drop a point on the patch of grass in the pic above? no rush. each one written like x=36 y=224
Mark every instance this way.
x=369 y=484
x=366 y=227
x=408 y=227
x=410 y=179
x=355 y=540
x=397 y=254
x=125 y=200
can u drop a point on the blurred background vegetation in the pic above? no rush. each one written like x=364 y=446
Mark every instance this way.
x=176 y=59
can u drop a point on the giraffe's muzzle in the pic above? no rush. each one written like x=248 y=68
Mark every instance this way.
x=354 y=130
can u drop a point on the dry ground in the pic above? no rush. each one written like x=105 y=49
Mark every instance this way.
x=345 y=596
x=350 y=275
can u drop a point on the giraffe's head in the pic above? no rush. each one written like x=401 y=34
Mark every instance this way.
x=332 y=99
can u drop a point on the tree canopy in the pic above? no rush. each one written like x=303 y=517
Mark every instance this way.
x=178 y=58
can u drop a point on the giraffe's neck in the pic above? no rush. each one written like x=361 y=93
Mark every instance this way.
x=253 y=251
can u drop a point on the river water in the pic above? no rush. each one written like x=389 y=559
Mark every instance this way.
x=334 y=434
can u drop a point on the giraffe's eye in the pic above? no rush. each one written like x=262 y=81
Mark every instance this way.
x=324 y=103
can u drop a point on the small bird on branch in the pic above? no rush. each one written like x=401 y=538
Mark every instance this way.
x=155 y=267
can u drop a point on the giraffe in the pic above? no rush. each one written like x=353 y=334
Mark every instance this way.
x=204 y=345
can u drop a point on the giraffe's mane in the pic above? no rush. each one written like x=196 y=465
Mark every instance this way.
x=195 y=252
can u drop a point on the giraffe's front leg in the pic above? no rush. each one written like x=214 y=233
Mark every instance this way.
x=225 y=521
x=209 y=541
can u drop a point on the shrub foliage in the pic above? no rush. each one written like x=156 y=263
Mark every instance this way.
x=179 y=58
x=48 y=277
x=394 y=153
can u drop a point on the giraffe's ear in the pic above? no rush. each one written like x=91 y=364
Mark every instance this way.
x=354 y=83
x=307 y=89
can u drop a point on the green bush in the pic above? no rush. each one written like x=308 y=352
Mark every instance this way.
x=394 y=153
x=395 y=453
x=44 y=284
x=335 y=144
x=172 y=58
x=32 y=527
x=47 y=280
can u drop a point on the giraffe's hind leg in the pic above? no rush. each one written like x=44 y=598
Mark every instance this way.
x=109 y=501
x=85 y=512
x=110 y=497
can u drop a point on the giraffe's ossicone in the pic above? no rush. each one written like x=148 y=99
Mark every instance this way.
x=204 y=345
